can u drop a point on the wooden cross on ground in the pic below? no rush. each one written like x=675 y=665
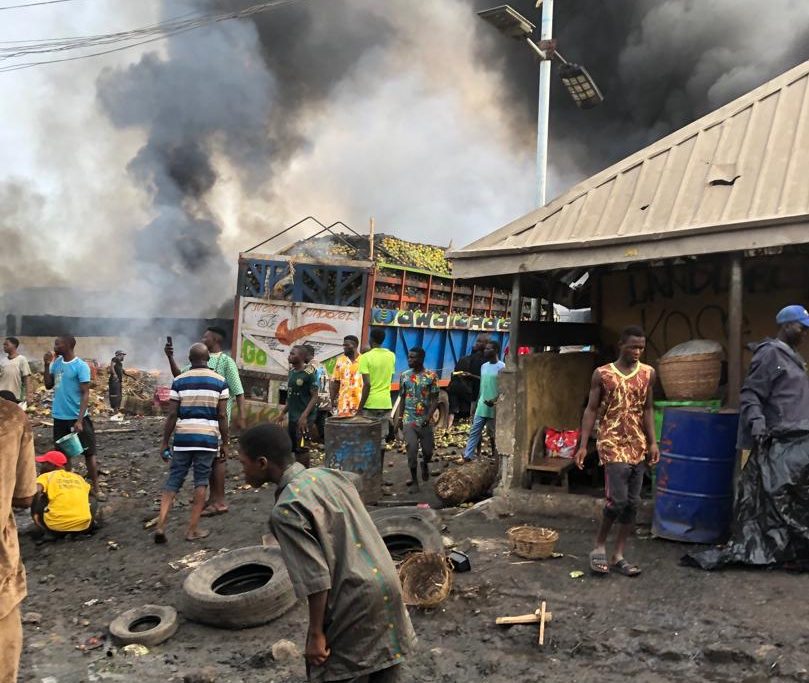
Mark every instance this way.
x=540 y=616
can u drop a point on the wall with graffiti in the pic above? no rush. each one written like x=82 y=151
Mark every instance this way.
x=436 y=320
x=268 y=329
x=690 y=301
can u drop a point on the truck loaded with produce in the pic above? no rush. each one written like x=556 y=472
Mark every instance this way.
x=330 y=285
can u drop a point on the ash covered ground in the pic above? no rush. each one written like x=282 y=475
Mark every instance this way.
x=671 y=623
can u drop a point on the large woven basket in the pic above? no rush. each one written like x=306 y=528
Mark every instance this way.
x=426 y=579
x=691 y=378
x=532 y=542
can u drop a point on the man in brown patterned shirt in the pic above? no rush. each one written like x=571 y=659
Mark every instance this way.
x=621 y=398
x=359 y=629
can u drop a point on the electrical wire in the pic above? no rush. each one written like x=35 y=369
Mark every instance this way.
x=34 y=4
x=122 y=40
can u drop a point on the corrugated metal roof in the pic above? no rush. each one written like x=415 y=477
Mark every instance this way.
x=735 y=179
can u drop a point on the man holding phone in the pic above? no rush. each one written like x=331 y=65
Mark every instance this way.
x=213 y=338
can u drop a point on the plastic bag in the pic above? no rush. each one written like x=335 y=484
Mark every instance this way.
x=561 y=444
x=771 y=512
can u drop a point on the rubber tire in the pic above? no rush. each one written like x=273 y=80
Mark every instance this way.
x=410 y=522
x=122 y=635
x=428 y=514
x=443 y=410
x=243 y=610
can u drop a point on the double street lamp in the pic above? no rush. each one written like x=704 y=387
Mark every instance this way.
x=575 y=78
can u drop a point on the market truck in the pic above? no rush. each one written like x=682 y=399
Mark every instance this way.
x=321 y=289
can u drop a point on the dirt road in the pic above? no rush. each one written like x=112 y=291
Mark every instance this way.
x=672 y=623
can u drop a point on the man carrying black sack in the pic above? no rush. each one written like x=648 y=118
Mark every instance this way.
x=770 y=518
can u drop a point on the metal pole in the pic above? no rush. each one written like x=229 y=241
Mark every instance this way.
x=735 y=295
x=546 y=33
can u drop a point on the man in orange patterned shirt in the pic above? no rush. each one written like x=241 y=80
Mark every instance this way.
x=621 y=397
x=346 y=384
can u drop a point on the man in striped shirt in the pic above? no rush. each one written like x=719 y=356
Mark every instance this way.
x=198 y=419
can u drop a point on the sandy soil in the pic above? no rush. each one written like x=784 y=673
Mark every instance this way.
x=672 y=623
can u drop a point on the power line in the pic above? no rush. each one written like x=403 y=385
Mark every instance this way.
x=34 y=4
x=122 y=40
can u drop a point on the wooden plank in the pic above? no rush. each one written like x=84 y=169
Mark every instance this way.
x=542 y=619
x=523 y=619
x=555 y=465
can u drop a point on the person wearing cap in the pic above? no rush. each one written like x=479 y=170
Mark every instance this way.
x=775 y=394
x=62 y=504
x=116 y=380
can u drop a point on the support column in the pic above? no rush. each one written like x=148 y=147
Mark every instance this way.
x=735 y=301
x=516 y=312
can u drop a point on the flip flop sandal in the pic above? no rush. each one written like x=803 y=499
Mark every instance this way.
x=598 y=563
x=625 y=568
x=201 y=535
x=213 y=512
x=159 y=537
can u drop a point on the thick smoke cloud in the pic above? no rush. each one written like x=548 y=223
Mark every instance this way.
x=416 y=113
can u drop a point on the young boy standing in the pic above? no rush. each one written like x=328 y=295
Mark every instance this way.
x=621 y=397
x=301 y=405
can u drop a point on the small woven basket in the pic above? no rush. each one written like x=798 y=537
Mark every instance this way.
x=691 y=378
x=532 y=542
x=426 y=579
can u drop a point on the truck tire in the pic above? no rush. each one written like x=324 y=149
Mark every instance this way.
x=239 y=589
x=149 y=625
x=442 y=410
x=407 y=532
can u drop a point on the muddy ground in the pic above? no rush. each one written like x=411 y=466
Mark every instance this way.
x=672 y=623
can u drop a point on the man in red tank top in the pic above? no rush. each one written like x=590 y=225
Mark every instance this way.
x=621 y=398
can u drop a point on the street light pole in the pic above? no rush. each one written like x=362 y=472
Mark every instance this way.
x=543 y=109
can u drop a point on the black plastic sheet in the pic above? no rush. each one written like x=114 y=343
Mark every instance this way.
x=771 y=513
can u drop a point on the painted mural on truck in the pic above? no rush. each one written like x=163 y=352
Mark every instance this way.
x=268 y=328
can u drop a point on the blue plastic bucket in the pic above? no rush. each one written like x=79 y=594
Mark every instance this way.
x=70 y=445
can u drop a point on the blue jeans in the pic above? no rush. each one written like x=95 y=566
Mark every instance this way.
x=183 y=461
x=476 y=434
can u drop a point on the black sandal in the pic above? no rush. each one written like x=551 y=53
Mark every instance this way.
x=598 y=563
x=625 y=568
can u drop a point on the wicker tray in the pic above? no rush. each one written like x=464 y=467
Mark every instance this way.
x=426 y=579
x=691 y=378
x=532 y=542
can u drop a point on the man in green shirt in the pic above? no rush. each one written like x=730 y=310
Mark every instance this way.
x=224 y=365
x=489 y=393
x=377 y=367
x=301 y=405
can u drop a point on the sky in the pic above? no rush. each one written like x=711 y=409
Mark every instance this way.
x=148 y=170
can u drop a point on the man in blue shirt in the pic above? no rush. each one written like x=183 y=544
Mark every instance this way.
x=489 y=393
x=69 y=377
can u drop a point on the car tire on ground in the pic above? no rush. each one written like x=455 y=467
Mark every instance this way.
x=239 y=589
x=408 y=530
x=149 y=625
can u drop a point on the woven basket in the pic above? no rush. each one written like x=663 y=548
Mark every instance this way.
x=426 y=579
x=532 y=542
x=691 y=378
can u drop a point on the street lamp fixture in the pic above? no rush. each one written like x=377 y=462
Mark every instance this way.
x=580 y=85
x=575 y=78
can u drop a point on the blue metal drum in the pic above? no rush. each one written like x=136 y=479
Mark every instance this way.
x=694 y=500
x=352 y=444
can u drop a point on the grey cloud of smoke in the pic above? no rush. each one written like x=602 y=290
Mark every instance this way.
x=417 y=113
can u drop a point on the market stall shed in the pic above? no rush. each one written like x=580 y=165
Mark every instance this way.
x=702 y=233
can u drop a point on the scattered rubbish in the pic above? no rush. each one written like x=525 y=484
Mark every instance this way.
x=459 y=561
x=423 y=506
x=448 y=541
x=135 y=650
x=112 y=545
x=92 y=602
x=285 y=651
x=194 y=559
x=151 y=523
x=33 y=618
x=576 y=574
x=92 y=643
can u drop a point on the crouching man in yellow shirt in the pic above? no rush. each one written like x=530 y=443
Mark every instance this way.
x=62 y=504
